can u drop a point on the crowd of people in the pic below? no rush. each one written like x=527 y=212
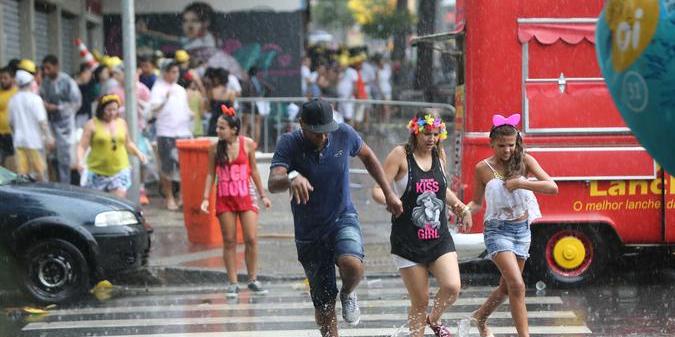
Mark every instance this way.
x=348 y=75
x=55 y=127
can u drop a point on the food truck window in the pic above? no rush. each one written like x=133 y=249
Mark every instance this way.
x=564 y=92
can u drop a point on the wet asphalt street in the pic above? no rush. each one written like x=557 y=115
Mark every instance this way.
x=635 y=299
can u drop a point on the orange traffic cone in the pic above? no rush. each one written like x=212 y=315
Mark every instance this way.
x=85 y=55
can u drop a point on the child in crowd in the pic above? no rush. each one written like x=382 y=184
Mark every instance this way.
x=511 y=208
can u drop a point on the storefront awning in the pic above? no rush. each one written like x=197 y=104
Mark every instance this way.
x=549 y=33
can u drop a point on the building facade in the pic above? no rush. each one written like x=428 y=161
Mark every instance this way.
x=34 y=28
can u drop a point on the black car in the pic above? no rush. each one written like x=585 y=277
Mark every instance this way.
x=65 y=238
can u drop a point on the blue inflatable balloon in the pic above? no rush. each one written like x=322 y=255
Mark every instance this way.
x=635 y=44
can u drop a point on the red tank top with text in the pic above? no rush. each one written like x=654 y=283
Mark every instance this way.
x=234 y=191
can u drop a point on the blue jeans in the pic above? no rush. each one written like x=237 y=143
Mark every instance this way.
x=319 y=257
x=503 y=236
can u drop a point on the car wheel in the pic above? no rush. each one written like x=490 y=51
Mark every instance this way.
x=55 y=271
x=567 y=256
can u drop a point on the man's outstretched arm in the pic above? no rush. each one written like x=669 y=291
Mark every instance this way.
x=375 y=169
x=278 y=180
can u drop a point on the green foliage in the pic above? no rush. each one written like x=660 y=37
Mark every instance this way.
x=385 y=24
x=332 y=13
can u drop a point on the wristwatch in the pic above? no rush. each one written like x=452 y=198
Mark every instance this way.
x=292 y=175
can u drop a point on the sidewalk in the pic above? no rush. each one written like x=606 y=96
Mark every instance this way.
x=173 y=259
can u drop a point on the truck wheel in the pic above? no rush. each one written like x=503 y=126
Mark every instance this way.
x=567 y=256
x=55 y=271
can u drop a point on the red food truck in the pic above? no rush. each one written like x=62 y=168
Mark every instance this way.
x=538 y=58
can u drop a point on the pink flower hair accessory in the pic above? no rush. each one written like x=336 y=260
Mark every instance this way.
x=499 y=120
x=428 y=122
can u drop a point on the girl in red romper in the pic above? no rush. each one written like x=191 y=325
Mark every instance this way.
x=232 y=161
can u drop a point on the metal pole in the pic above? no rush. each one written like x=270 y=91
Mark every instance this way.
x=130 y=103
x=277 y=119
x=266 y=130
x=252 y=122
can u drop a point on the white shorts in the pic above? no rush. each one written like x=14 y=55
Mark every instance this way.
x=402 y=262
x=347 y=110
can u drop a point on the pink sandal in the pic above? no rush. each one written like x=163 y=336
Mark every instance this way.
x=439 y=330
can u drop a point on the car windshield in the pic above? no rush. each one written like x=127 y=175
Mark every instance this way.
x=6 y=176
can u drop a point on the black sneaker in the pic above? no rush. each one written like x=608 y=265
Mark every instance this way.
x=256 y=287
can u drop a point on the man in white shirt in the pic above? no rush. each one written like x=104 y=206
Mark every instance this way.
x=28 y=120
x=345 y=89
x=169 y=104
x=62 y=99
x=306 y=76
x=369 y=76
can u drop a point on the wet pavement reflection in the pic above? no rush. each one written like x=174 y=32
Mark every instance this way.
x=636 y=301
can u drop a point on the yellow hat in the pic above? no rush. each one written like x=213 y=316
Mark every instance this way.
x=110 y=61
x=343 y=60
x=115 y=61
x=105 y=60
x=27 y=65
x=182 y=56
x=97 y=55
x=357 y=59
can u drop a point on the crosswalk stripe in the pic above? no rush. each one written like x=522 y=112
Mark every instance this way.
x=284 y=294
x=534 y=330
x=280 y=305
x=378 y=283
x=286 y=311
x=263 y=319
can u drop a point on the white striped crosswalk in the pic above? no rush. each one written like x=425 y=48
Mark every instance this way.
x=285 y=312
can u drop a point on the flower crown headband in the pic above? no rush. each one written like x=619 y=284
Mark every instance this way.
x=428 y=122
x=227 y=111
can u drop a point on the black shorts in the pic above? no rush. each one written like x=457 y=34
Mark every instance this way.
x=6 y=147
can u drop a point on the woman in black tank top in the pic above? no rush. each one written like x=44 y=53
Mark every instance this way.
x=219 y=94
x=420 y=238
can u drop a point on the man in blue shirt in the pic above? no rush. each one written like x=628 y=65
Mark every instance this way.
x=313 y=163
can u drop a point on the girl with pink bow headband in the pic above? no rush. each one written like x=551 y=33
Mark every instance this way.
x=502 y=180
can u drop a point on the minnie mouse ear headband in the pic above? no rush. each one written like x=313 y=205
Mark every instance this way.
x=228 y=111
x=499 y=120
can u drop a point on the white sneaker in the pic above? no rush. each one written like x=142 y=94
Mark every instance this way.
x=232 y=290
x=350 y=308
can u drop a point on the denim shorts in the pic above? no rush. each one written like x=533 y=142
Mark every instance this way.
x=504 y=236
x=120 y=181
x=319 y=257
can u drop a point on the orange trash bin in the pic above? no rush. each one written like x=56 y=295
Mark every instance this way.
x=201 y=228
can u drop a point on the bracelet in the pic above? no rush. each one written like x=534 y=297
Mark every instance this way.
x=466 y=210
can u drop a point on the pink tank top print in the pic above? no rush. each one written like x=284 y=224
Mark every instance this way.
x=233 y=189
x=233 y=180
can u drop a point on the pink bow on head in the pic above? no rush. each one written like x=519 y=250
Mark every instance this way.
x=499 y=120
